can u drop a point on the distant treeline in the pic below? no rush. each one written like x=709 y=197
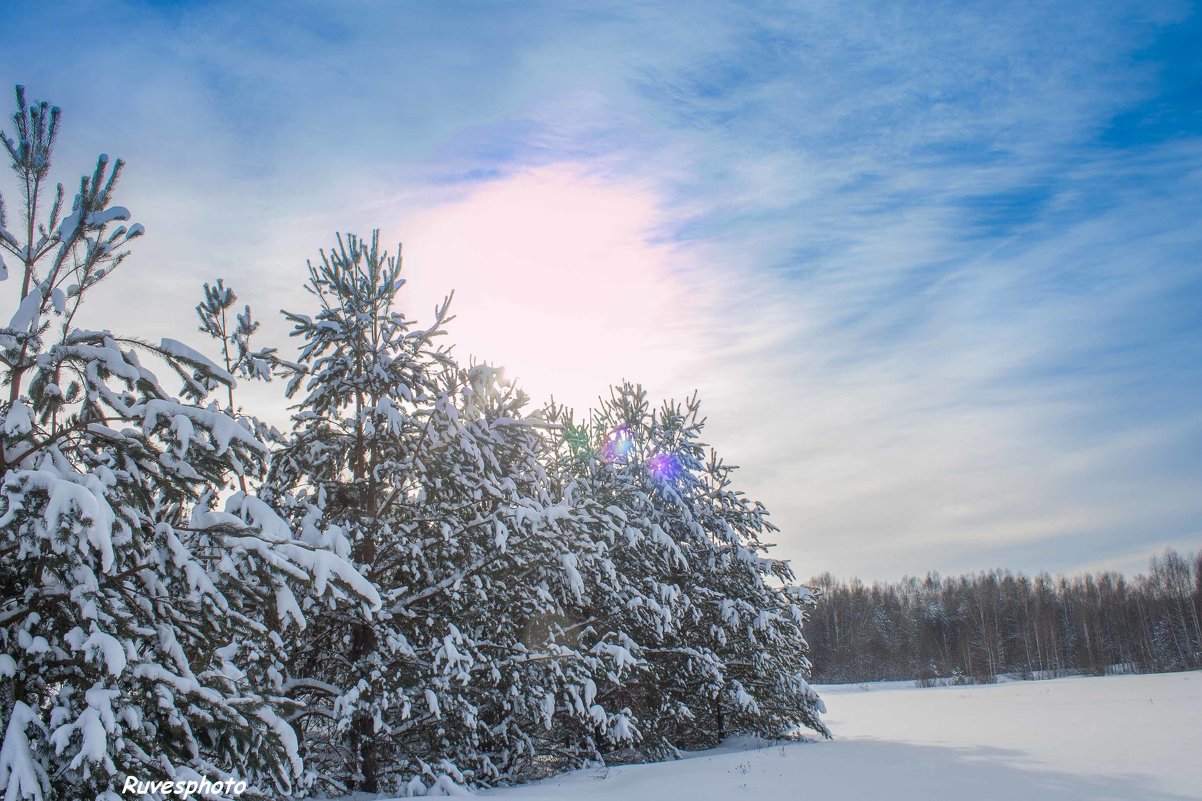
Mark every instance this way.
x=972 y=628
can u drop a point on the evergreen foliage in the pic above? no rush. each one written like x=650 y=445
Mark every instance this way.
x=135 y=636
x=710 y=624
x=428 y=476
x=424 y=584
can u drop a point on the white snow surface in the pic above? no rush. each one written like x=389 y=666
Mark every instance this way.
x=1113 y=739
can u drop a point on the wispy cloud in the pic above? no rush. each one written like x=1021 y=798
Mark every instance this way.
x=934 y=267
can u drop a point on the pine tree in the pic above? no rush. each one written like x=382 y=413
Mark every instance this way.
x=526 y=574
x=134 y=638
x=236 y=355
x=429 y=476
x=475 y=594
x=710 y=625
x=370 y=384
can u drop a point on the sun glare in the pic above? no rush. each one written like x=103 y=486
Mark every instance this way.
x=556 y=278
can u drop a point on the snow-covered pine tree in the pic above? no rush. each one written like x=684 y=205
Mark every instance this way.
x=237 y=358
x=633 y=594
x=643 y=620
x=712 y=623
x=525 y=575
x=214 y=312
x=368 y=384
x=133 y=639
x=757 y=625
x=428 y=476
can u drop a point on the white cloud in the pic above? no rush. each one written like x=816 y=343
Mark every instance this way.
x=936 y=321
x=555 y=278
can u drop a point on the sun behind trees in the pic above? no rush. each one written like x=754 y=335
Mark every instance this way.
x=424 y=584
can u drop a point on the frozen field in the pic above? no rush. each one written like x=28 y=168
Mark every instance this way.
x=1121 y=737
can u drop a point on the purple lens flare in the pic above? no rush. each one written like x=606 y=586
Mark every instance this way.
x=618 y=445
x=664 y=467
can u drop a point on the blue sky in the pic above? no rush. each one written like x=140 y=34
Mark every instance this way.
x=934 y=267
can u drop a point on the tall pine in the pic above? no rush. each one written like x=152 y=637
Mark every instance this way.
x=135 y=637
x=712 y=624
x=429 y=476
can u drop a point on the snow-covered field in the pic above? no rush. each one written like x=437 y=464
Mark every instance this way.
x=1120 y=737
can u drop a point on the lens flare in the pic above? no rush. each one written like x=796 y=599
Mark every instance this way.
x=664 y=467
x=618 y=445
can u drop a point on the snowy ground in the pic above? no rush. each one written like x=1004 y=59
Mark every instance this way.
x=1120 y=737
